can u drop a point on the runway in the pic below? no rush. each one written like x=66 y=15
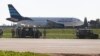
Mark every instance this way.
x=66 y=46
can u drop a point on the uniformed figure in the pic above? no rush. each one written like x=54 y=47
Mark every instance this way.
x=31 y=32
x=18 y=31
x=13 y=32
x=23 y=34
x=37 y=34
x=1 y=33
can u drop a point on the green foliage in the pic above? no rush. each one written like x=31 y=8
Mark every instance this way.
x=12 y=53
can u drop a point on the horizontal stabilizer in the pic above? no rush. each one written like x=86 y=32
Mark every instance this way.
x=12 y=19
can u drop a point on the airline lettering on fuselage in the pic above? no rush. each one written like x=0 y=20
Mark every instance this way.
x=64 y=20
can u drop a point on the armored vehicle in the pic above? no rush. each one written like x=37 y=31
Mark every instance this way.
x=86 y=34
x=26 y=32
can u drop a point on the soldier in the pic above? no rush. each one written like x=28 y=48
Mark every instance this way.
x=37 y=34
x=18 y=30
x=30 y=31
x=1 y=33
x=23 y=34
x=13 y=32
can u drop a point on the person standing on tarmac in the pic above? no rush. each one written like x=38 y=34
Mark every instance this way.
x=13 y=32
x=37 y=34
x=23 y=33
x=1 y=33
x=18 y=30
x=30 y=32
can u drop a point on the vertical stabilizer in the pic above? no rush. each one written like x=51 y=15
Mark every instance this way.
x=13 y=12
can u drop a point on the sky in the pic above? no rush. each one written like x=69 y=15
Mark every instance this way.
x=51 y=8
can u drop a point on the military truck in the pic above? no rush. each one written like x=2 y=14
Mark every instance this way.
x=26 y=32
x=86 y=34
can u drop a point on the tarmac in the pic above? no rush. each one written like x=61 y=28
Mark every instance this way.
x=65 y=46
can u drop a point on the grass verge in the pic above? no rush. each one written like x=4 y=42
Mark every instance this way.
x=12 y=53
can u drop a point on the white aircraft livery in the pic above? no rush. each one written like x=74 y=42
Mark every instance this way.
x=42 y=21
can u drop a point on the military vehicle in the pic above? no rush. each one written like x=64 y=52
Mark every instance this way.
x=26 y=32
x=86 y=34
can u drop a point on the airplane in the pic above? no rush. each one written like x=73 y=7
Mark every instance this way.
x=42 y=21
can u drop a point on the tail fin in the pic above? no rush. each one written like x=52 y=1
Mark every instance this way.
x=15 y=16
x=13 y=12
